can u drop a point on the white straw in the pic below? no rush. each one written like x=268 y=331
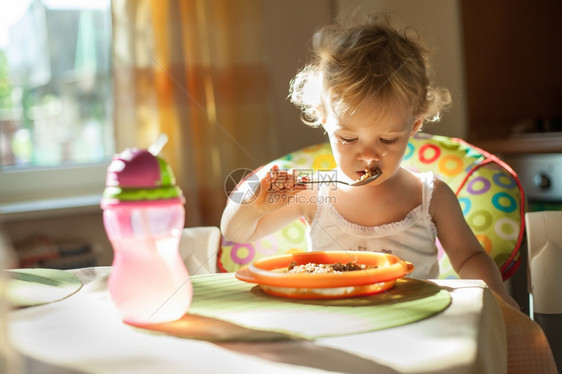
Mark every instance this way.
x=158 y=144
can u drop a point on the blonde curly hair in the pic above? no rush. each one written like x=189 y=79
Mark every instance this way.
x=368 y=60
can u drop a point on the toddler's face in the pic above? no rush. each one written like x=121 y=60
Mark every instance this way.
x=368 y=140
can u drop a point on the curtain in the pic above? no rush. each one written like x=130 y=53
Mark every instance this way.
x=196 y=71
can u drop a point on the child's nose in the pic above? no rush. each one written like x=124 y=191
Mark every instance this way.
x=369 y=155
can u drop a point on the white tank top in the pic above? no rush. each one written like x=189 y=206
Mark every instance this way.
x=412 y=239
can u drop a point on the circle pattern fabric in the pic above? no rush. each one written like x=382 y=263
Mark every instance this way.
x=488 y=192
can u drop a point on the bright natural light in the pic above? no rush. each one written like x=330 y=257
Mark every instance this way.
x=55 y=83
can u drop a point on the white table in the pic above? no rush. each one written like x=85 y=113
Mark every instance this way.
x=83 y=333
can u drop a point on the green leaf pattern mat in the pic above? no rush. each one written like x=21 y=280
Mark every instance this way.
x=223 y=297
x=30 y=287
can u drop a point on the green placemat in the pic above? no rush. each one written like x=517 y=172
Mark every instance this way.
x=29 y=287
x=246 y=308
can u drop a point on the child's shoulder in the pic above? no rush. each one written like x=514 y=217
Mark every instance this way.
x=429 y=179
x=415 y=178
x=442 y=195
x=441 y=186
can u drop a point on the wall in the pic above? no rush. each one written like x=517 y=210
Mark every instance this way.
x=290 y=25
x=513 y=60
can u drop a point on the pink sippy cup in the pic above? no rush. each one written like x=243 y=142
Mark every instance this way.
x=144 y=217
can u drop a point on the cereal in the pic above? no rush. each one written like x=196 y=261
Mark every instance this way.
x=312 y=268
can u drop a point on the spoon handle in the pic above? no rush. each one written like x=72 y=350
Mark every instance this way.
x=359 y=182
x=326 y=182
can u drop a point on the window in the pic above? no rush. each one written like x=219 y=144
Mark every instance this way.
x=56 y=128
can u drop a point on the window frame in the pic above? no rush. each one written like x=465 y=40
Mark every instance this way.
x=62 y=190
x=30 y=191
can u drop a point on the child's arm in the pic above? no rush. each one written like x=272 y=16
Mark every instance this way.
x=467 y=256
x=271 y=210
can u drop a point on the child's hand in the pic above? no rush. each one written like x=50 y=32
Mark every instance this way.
x=263 y=203
x=277 y=188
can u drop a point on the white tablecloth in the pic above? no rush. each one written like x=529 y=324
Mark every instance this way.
x=83 y=333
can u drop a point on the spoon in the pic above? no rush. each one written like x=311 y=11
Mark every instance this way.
x=359 y=182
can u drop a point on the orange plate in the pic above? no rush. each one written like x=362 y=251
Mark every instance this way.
x=317 y=293
x=326 y=285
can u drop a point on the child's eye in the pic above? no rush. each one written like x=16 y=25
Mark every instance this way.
x=346 y=140
x=388 y=141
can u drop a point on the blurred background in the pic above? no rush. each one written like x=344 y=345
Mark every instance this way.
x=82 y=80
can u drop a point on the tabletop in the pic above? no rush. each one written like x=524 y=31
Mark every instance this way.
x=83 y=333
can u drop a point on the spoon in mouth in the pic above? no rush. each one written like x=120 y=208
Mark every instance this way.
x=360 y=182
x=370 y=176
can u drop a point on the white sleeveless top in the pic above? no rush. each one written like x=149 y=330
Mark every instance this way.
x=412 y=239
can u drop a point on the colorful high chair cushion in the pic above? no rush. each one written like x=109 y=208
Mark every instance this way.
x=489 y=192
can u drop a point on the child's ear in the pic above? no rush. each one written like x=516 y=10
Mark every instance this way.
x=417 y=126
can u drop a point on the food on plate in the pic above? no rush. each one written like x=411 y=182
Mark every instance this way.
x=313 y=268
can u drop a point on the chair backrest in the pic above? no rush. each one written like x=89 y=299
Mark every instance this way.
x=198 y=249
x=544 y=238
x=489 y=191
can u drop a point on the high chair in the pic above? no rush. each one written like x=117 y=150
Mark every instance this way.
x=488 y=190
